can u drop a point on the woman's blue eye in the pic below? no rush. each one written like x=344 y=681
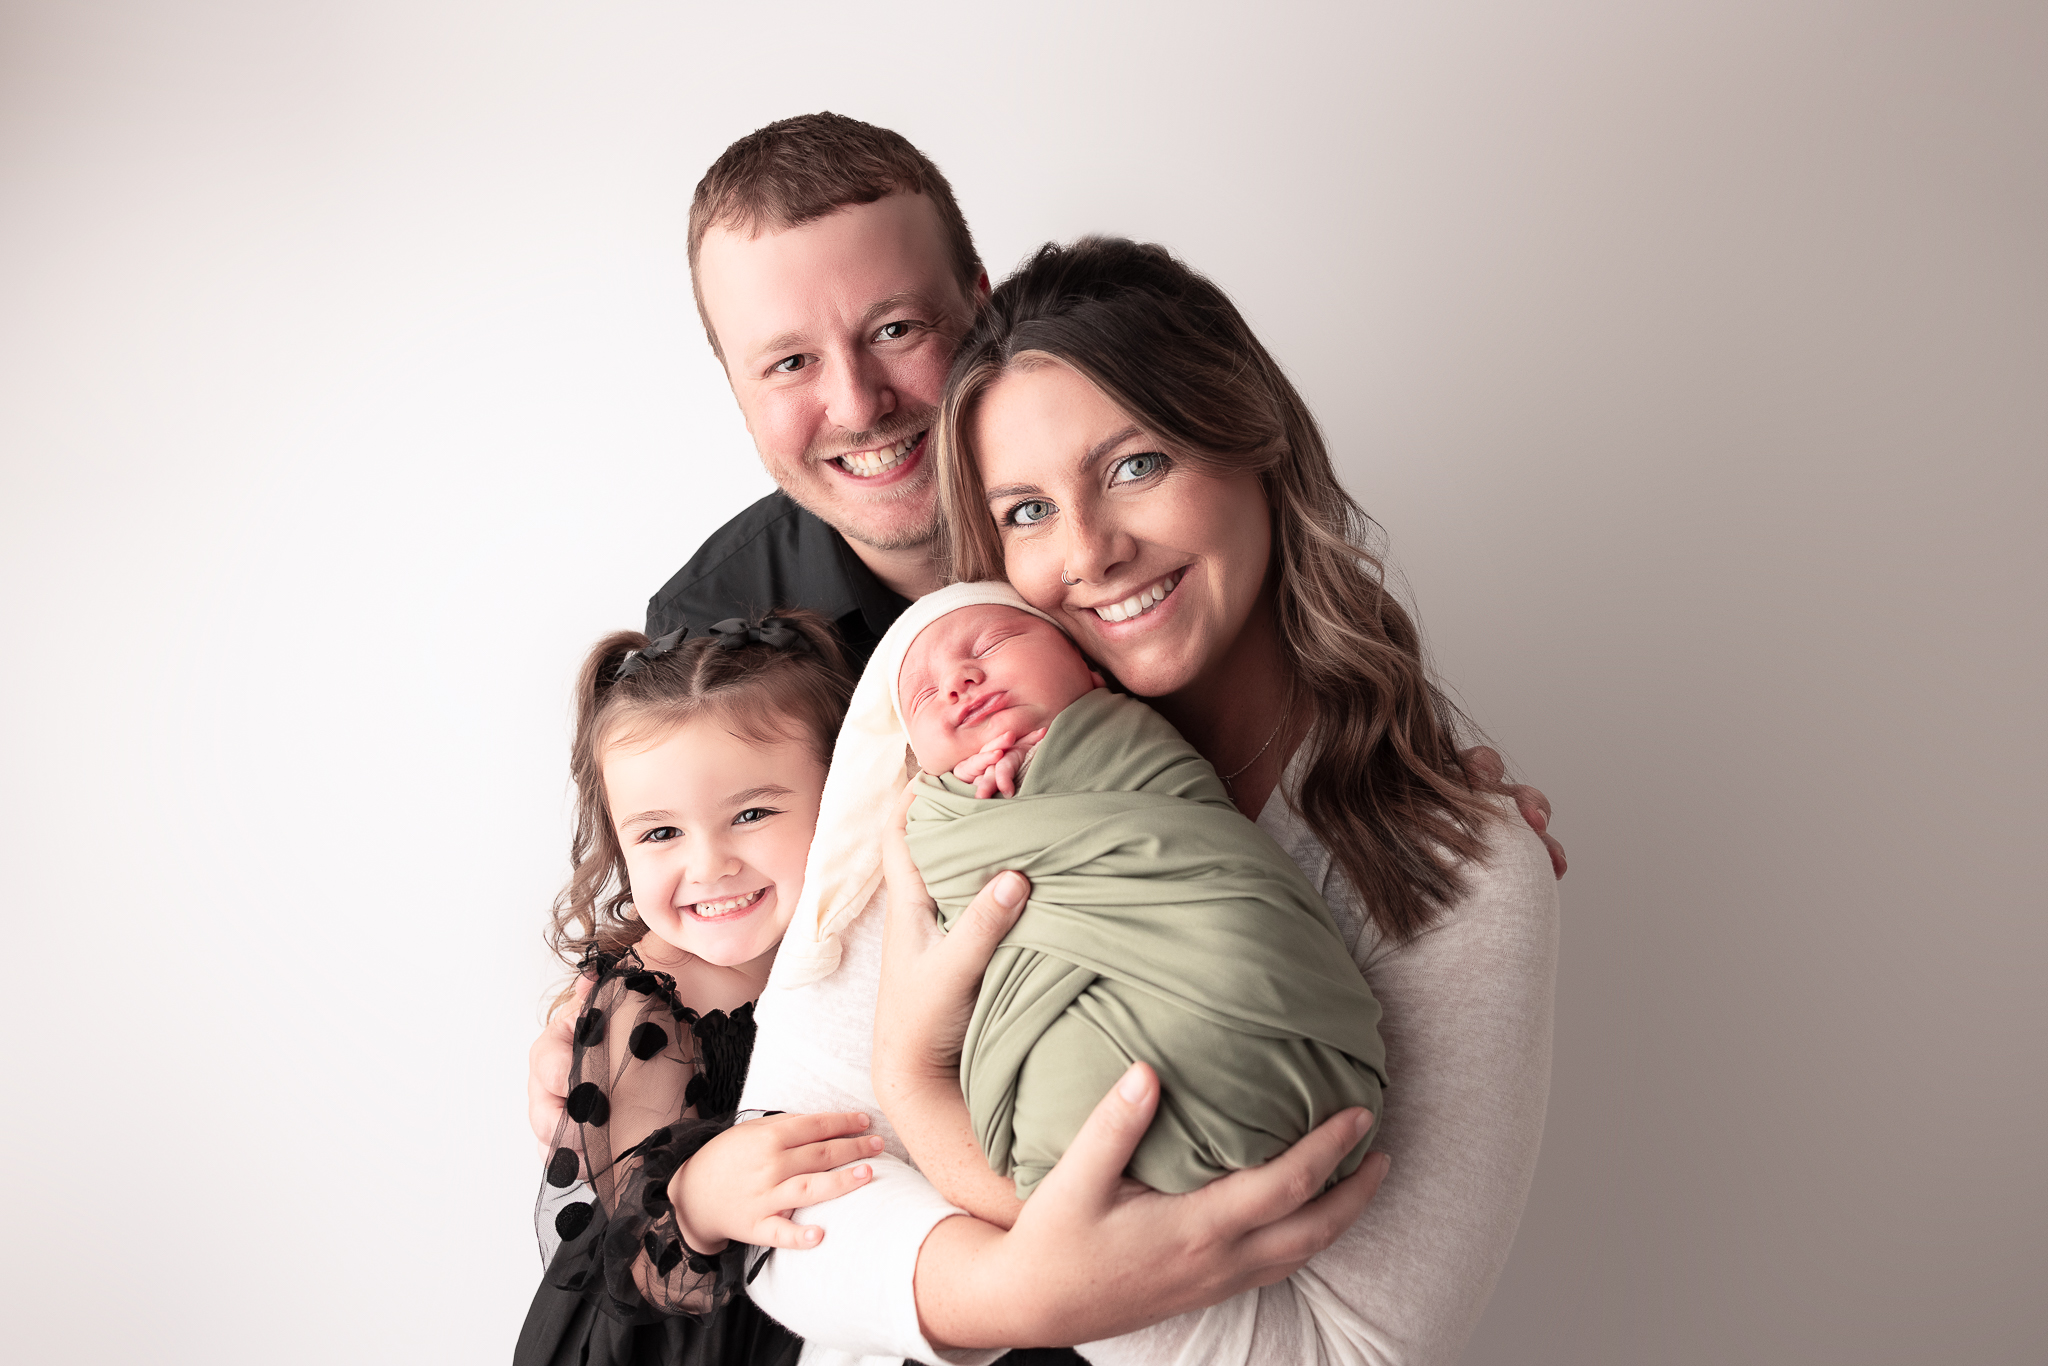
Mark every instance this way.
x=1134 y=467
x=754 y=815
x=1029 y=511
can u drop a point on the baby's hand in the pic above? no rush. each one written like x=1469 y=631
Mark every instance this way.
x=996 y=766
x=744 y=1184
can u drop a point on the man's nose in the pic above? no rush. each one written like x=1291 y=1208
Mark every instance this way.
x=858 y=392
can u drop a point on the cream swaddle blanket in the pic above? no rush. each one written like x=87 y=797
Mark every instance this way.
x=1163 y=926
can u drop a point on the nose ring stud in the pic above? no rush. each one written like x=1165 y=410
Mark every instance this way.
x=1067 y=581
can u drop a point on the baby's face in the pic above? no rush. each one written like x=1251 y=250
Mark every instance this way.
x=981 y=671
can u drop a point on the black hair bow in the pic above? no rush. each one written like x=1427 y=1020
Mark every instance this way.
x=734 y=634
x=636 y=660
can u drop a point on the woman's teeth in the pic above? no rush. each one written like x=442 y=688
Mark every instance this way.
x=711 y=910
x=1140 y=602
x=868 y=464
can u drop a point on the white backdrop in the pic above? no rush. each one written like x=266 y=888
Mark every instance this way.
x=349 y=386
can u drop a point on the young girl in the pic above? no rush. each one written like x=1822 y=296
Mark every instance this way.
x=698 y=762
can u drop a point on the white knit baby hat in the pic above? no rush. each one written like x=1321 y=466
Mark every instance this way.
x=844 y=869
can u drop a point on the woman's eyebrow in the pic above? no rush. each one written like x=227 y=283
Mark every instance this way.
x=1089 y=457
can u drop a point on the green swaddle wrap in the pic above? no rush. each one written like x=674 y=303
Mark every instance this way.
x=1164 y=927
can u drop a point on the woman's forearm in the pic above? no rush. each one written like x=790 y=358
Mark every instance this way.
x=931 y=1118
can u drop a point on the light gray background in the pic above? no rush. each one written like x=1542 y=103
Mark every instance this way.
x=1694 y=356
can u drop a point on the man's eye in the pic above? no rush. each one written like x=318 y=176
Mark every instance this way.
x=1030 y=511
x=788 y=365
x=1132 y=468
x=754 y=815
x=661 y=834
x=895 y=331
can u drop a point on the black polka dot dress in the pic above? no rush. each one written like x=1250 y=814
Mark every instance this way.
x=652 y=1081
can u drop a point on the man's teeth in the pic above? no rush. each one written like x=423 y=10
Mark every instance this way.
x=868 y=464
x=1140 y=602
x=711 y=910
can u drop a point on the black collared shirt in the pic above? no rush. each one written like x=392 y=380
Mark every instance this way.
x=775 y=554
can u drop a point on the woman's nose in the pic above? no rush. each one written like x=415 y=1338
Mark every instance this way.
x=1094 y=548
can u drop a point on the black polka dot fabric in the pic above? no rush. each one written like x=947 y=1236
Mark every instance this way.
x=651 y=1081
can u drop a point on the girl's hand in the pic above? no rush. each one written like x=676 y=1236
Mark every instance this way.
x=1094 y=1255
x=742 y=1185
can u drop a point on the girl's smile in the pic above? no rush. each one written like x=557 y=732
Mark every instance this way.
x=715 y=829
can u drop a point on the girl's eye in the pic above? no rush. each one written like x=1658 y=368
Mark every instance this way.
x=661 y=834
x=1029 y=512
x=788 y=365
x=893 y=331
x=1132 y=468
x=754 y=815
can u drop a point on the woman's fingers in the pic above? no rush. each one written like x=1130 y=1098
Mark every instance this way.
x=1261 y=1195
x=1287 y=1244
x=1089 y=1175
x=975 y=933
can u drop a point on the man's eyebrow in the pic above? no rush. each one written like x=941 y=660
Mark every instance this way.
x=907 y=298
x=1089 y=457
x=779 y=345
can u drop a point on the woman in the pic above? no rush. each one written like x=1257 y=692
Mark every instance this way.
x=1117 y=443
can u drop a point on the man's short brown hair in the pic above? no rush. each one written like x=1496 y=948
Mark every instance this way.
x=795 y=171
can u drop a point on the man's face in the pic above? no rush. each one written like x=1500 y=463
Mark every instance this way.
x=982 y=672
x=836 y=337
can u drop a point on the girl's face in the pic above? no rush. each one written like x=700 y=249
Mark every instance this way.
x=715 y=830
x=1167 y=561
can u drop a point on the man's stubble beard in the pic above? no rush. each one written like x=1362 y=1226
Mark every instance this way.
x=922 y=536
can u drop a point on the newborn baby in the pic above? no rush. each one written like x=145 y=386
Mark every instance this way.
x=1162 y=926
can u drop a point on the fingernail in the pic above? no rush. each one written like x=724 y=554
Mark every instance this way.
x=1132 y=1087
x=861 y=1121
x=875 y=1145
x=1360 y=1125
x=863 y=1172
x=812 y=1235
x=1010 y=891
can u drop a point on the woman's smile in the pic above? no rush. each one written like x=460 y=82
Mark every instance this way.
x=1140 y=603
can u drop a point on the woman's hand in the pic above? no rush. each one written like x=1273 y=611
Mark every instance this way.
x=930 y=977
x=1094 y=1255
x=929 y=982
x=742 y=1185
x=1534 y=806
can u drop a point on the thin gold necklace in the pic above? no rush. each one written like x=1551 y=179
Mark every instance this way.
x=1284 y=717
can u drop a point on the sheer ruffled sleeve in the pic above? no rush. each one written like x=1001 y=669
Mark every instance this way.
x=652 y=1082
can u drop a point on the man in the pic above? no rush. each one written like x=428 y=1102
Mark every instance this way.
x=834 y=275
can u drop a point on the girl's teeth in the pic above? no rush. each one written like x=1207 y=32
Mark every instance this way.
x=867 y=464
x=711 y=910
x=1140 y=602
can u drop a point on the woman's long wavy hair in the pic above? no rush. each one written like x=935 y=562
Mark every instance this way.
x=757 y=691
x=1384 y=789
